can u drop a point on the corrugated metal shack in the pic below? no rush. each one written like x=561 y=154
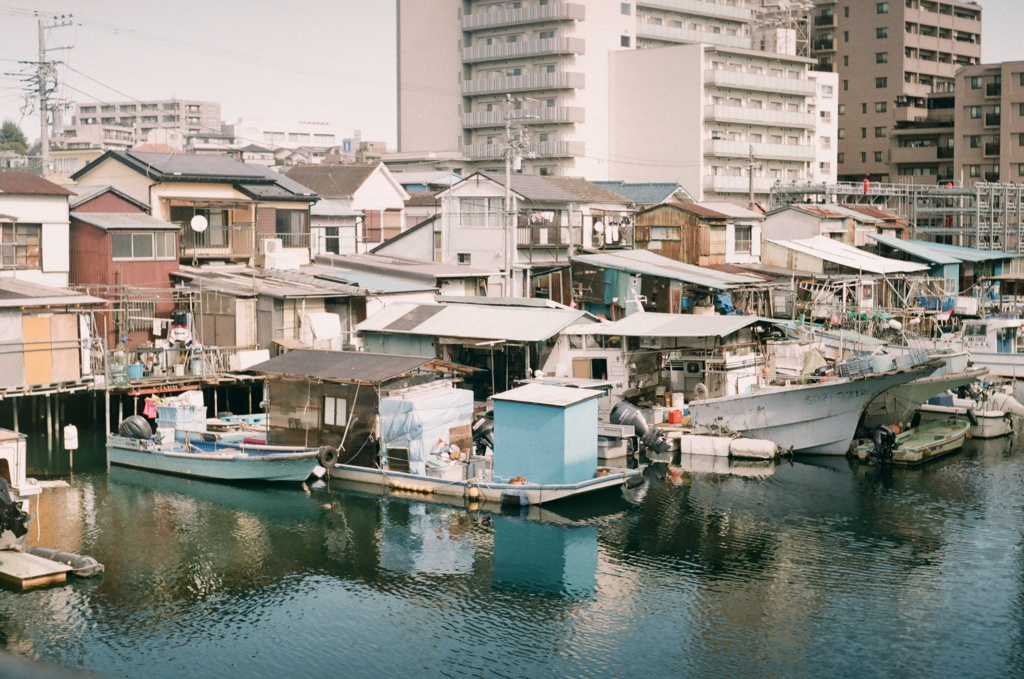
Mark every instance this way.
x=332 y=398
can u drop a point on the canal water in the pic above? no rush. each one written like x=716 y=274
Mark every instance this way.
x=808 y=569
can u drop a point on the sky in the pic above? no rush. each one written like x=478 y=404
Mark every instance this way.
x=329 y=61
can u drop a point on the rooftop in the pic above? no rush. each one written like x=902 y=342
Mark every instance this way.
x=668 y=325
x=548 y=395
x=340 y=366
x=120 y=221
x=26 y=183
x=829 y=250
x=648 y=263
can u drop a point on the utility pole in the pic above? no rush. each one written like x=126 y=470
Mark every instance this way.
x=751 y=166
x=45 y=73
x=515 y=143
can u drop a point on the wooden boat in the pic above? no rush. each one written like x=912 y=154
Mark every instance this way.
x=210 y=456
x=917 y=445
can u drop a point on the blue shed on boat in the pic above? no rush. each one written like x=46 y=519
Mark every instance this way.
x=545 y=434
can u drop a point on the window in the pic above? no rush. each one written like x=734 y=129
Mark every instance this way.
x=216 y=234
x=842 y=109
x=546 y=35
x=976 y=82
x=512 y=72
x=1022 y=79
x=624 y=41
x=864 y=107
x=743 y=239
x=465 y=258
x=975 y=170
x=1021 y=111
x=863 y=156
x=626 y=8
x=846 y=36
x=846 y=85
x=126 y=246
x=846 y=60
x=335 y=411
x=880 y=106
x=841 y=157
x=881 y=131
x=975 y=111
x=882 y=8
x=846 y=12
x=881 y=83
x=1020 y=169
x=882 y=32
x=878 y=156
x=863 y=133
x=975 y=141
x=1020 y=139
x=881 y=57
x=19 y=246
x=290 y=227
x=841 y=133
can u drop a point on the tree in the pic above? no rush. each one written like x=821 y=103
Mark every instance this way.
x=12 y=138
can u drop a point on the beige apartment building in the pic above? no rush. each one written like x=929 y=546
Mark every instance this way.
x=645 y=90
x=989 y=123
x=186 y=116
x=894 y=58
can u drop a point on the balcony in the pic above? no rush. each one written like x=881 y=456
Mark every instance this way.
x=685 y=35
x=993 y=90
x=523 y=49
x=913 y=155
x=234 y=241
x=542 y=149
x=542 y=236
x=758 y=83
x=559 y=11
x=945 y=153
x=991 y=120
x=759 y=116
x=992 y=149
x=741 y=149
x=523 y=83
x=824 y=45
x=700 y=7
x=825 y=20
x=535 y=116
x=730 y=184
x=992 y=176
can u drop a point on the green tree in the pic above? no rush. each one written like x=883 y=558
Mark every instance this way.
x=12 y=138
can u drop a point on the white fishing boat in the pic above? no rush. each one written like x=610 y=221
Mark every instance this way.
x=209 y=457
x=990 y=409
x=996 y=343
x=916 y=445
x=805 y=418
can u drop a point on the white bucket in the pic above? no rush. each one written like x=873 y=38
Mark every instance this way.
x=678 y=399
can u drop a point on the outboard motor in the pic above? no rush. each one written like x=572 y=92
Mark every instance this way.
x=135 y=427
x=884 y=440
x=483 y=434
x=12 y=517
x=653 y=438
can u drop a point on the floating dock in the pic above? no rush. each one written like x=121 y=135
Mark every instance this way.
x=25 y=571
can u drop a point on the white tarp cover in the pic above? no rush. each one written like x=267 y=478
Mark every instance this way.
x=321 y=330
x=419 y=421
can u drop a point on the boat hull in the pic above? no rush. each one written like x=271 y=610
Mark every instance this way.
x=226 y=464
x=899 y=403
x=925 y=443
x=991 y=423
x=535 y=494
x=817 y=418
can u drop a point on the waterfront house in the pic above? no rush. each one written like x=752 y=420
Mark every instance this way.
x=844 y=223
x=447 y=279
x=368 y=189
x=703 y=234
x=334 y=228
x=34 y=227
x=249 y=212
x=642 y=195
x=506 y=338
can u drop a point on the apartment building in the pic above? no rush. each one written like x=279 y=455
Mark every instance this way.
x=285 y=135
x=623 y=90
x=892 y=58
x=186 y=116
x=989 y=121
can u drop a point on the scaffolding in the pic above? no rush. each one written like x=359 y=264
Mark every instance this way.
x=772 y=16
x=986 y=216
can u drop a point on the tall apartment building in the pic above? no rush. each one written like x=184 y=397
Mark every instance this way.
x=607 y=89
x=893 y=57
x=989 y=123
x=185 y=116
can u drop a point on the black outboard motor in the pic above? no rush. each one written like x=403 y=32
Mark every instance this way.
x=135 y=427
x=12 y=516
x=884 y=440
x=483 y=434
x=626 y=413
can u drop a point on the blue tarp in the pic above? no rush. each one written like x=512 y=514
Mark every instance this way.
x=419 y=420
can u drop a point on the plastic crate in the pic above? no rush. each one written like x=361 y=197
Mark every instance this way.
x=180 y=414
x=855 y=367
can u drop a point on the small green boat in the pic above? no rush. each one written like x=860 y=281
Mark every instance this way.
x=916 y=445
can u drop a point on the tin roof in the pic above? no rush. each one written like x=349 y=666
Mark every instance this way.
x=401 y=267
x=667 y=325
x=240 y=281
x=25 y=183
x=646 y=193
x=332 y=181
x=485 y=322
x=85 y=193
x=121 y=221
x=940 y=253
x=650 y=264
x=330 y=208
x=340 y=366
x=833 y=251
x=548 y=395
x=532 y=187
x=15 y=293
x=588 y=192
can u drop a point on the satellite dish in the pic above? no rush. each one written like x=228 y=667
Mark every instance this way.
x=199 y=223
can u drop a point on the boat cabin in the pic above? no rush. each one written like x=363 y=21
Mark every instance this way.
x=994 y=335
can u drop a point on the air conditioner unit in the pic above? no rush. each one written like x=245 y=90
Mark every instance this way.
x=271 y=246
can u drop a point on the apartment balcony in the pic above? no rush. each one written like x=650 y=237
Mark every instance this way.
x=523 y=83
x=558 y=11
x=706 y=8
x=741 y=149
x=542 y=236
x=730 y=184
x=758 y=83
x=535 y=116
x=992 y=176
x=992 y=120
x=824 y=45
x=992 y=149
x=825 y=20
x=913 y=155
x=541 y=149
x=759 y=116
x=993 y=90
x=526 y=48
x=945 y=153
x=685 y=35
